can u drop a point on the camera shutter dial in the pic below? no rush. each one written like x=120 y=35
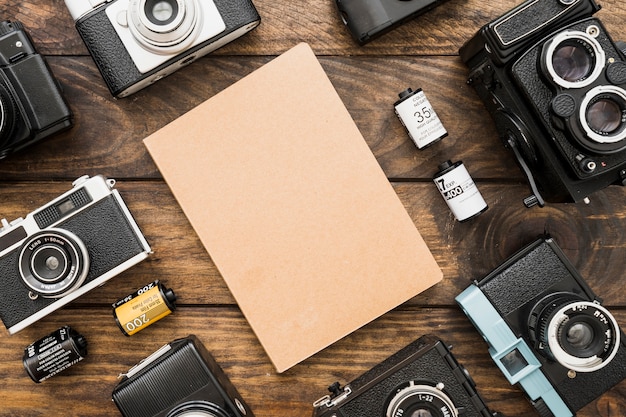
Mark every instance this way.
x=53 y=263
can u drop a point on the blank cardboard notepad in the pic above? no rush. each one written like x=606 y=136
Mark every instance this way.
x=293 y=208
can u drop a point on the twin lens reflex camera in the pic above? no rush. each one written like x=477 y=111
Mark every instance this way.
x=555 y=84
x=181 y=379
x=60 y=251
x=32 y=106
x=547 y=330
x=422 y=379
x=134 y=43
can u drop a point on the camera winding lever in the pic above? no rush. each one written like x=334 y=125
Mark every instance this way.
x=535 y=198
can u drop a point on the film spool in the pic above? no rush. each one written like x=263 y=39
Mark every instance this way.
x=459 y=191
x=419 y=118
x=54 y=353
x=143 y=307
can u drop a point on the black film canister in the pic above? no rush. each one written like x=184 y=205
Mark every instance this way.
x=54 y=353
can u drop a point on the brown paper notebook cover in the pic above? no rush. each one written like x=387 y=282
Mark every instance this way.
x=293 y=208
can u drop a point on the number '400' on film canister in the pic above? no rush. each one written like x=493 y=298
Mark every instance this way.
x=459 y=191
x=418 y=117
x=145 y=306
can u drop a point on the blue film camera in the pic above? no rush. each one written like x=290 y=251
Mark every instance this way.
x=547 y=330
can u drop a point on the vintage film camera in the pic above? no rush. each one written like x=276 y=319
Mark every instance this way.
x=547 y=330
x=76 y=242
x=31 y=103
x=554 y=82
x=422 y=379
x=179 y=380
x=137 y=42
x=367 y=20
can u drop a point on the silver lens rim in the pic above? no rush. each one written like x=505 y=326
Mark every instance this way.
x=599 y=64
x=589 y=364
x=591 y=95
x=78 y=256
x=170 y=38
x=423 y=392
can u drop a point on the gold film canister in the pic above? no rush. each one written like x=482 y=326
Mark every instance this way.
x=140 y=309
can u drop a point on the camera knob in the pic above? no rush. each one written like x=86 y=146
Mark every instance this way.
x=80 y=180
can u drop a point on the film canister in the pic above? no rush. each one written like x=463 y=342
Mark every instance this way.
x=54 y=353
x=143 y=307
x=459 y=191
x=418 y=117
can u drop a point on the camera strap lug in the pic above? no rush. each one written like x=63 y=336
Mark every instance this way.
x=338 y=396
x=622 y=176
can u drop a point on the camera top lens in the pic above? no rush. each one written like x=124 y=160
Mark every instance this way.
x=581 y=335
x=53 y=263
x=8 y=112
x=573 y=59
x=416 y=399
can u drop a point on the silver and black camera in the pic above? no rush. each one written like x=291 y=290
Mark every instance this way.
x=546 y=329
x=181 y=379
x=137 y=42
x=422 y=379
x=60 y=251
x=555 y=83
x=32 y=106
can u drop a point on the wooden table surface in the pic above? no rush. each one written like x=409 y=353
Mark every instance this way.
x=107 y=139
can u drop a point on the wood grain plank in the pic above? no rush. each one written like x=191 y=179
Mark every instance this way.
x=85 y=389
x=590 y=237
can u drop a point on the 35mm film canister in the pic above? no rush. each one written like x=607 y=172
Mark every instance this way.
x=54 y=353
x=418 y=117
x=143 y=307
x=459 y=191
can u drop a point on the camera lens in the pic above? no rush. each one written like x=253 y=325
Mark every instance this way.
x=603 y=117
x=580 y=335
x=53 y=262
x=573 y=59
x=164 y=26
x=161 y=12
x=421 y=400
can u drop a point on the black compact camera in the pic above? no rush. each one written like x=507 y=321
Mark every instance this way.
x=71 y=245
x=368 y=19
x=180 y=379
x=32 y=106
x=422 y=379
x=546 y=329
x=134 y=43
x=554 y=82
